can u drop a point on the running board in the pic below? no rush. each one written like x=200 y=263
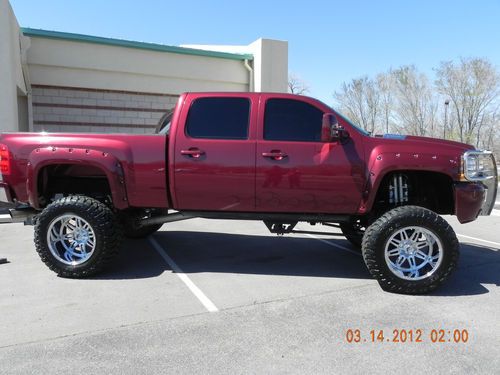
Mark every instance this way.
x=261 y=216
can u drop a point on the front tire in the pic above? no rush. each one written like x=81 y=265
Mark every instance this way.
x=77 y=236
x=410 y=250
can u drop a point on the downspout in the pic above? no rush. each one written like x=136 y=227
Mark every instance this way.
x=250 y=71
x=24 y=44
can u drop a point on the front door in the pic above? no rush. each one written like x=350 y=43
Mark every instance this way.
x=296 y=171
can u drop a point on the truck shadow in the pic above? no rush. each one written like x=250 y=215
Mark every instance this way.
x=478 y=265
x=199 y=252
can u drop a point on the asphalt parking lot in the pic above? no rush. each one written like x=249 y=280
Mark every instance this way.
x=226 y=297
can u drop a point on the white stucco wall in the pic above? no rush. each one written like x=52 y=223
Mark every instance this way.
x=270 y=65
x=12 y=82
x=80 y=64
x=270 y=62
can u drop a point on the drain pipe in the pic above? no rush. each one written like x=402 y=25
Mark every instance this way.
x=24 y=45
x=250 y=71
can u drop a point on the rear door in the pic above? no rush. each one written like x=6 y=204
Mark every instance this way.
x=296 y=171
x=214 y=156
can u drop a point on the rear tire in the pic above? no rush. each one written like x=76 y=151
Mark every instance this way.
x=410 y=250
x=77 y=236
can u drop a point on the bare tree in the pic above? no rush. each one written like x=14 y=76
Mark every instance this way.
x=472 y=85
x=416 y=102
x=404 y=101
x=360 y=101
x=488 y=134
x=297 y=85
x=385 y=86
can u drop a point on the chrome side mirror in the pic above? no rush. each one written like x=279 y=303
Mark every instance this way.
x=331 y=131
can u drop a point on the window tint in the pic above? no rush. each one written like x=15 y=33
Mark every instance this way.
x=221 y=118
x=292 y=120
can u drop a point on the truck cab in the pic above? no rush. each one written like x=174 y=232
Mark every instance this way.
x=262 y=153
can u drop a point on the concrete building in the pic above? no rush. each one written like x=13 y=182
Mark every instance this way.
x=64 y=82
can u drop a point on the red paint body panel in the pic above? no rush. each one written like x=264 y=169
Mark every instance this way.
x=469 y=199
x=223 y=177
x=232 y=175
x=141 y=157
x=315 y=177
x=417 y=154
x=44 y=156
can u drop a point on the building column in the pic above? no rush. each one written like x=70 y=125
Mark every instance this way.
x=270 y=65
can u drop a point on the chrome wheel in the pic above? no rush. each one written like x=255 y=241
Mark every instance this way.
x=71 y=239
x=413 y=253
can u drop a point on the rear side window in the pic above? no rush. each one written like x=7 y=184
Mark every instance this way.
x=292 y=120
x=218 y=118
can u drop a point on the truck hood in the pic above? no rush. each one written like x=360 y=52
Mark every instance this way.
x=389 y=152
x=425 y=142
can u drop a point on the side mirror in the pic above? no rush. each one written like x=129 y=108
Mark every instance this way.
x=331 y=131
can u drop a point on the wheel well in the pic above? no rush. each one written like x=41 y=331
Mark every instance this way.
x=431 y=190
x=60 y=180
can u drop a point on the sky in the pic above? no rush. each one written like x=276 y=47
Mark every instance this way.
x=329 y=42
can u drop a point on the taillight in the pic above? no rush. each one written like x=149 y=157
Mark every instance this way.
x=4 y=160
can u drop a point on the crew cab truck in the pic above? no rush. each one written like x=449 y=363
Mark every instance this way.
x=278 y=158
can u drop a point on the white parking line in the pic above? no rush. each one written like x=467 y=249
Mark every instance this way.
x=335 y=245
x=209 y=305
x=359 y=253
x=478 y=239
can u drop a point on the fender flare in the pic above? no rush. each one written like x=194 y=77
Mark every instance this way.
x=384 y=163
x=108 y=163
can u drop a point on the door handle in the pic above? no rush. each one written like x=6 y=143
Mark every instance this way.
x=275 y=155
x=193 y=152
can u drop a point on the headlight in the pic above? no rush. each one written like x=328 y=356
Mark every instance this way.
x=478 y=165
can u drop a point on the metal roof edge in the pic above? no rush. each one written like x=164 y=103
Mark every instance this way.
x=131 y=44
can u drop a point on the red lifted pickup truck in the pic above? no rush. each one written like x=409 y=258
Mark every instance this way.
x=278 y=158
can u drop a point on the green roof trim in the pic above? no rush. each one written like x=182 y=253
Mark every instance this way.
x=38 y=33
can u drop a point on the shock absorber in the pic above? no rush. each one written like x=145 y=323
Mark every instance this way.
x=398 y=189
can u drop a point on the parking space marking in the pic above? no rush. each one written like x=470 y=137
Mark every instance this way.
x=209 y=305
x=479 y=239
x=335 y=245
x=359 y=253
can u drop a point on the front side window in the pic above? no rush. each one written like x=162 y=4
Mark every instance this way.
x=218 y=118
x=292 y=120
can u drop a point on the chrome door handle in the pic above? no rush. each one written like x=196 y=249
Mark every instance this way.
x=193 y=153
x=275 y=155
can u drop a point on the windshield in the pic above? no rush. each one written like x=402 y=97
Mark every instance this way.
x=356 y=127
